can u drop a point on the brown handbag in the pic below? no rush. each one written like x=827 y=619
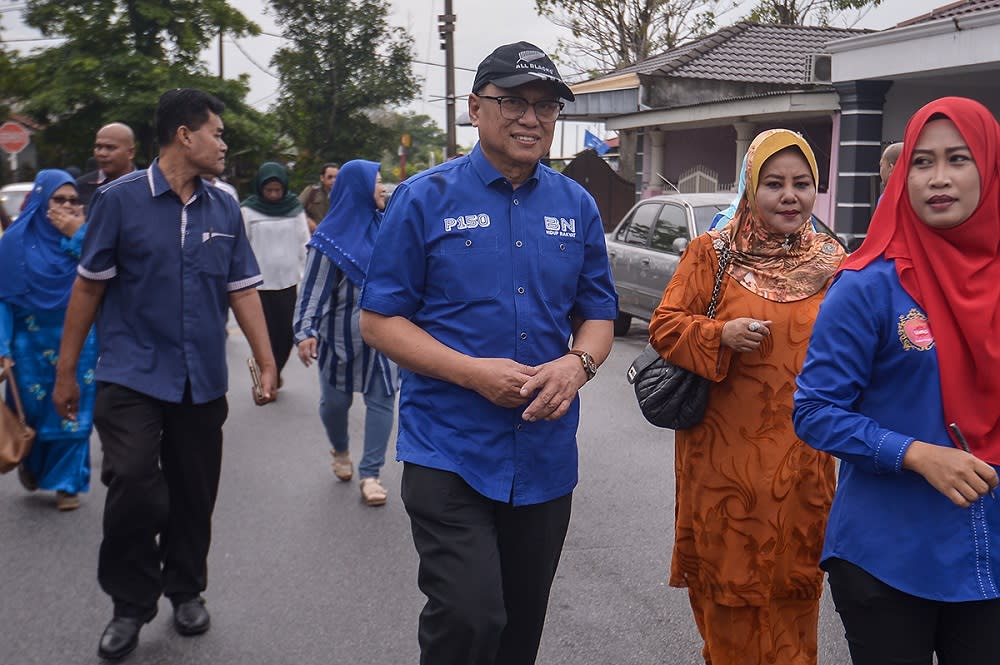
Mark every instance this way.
x=16 y=436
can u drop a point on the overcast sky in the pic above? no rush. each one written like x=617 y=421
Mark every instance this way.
x=481 y=26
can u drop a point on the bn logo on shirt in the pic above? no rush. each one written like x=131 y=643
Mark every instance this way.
x=560 y=226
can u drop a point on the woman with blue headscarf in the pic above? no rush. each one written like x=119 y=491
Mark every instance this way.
x=38 y=257
x=327 y=324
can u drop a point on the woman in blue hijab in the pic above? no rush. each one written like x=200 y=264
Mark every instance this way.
x=38 y=259
x=327 y=324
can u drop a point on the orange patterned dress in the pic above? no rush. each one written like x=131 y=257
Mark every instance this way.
x=751 y=498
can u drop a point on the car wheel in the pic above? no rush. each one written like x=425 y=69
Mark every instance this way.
x=622 y=324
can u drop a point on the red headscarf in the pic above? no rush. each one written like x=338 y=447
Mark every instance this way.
x=953 y=274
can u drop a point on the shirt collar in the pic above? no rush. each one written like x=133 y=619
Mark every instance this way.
x=158 y=184
x=489 y=174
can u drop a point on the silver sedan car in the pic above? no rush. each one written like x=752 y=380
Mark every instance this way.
x=647 y=244
x=645 y=247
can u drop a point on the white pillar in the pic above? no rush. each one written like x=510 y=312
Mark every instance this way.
x=744 y=136
x=657 y=141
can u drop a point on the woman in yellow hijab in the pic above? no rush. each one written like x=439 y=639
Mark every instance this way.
x=751 y=498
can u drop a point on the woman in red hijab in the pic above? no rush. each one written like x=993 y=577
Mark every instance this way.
x=902 y=383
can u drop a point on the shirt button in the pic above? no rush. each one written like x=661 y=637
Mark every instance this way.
x=468 y=243
x=520 y=427
x=520 y=289
x=515 y=201
x=562 y=247
x=524 y=335
x=518 y=243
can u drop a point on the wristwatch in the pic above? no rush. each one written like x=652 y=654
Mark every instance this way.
x=589 y=366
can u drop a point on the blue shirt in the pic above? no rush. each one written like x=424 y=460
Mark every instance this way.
x=327 y=310
x=490 y=271
x=170 y=268
x=870 y=385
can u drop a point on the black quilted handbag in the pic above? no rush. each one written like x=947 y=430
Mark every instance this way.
x=670 y=396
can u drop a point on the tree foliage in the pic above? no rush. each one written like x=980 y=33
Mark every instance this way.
x=117 y=58
x=342 y=62
x=427 y=142
x=803 y=12
x=610 y=34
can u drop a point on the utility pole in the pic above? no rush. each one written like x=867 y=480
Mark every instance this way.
x=220 y=53
x=446 y=30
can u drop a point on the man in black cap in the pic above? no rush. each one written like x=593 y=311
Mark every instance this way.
x=485 y=269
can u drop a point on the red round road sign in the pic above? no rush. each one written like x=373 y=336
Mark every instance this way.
x=13 y=137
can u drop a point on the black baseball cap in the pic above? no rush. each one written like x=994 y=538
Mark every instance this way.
x=512 y=65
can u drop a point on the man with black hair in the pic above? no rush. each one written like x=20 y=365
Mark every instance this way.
x=489 y=284
x=316 y=197
x=164 y=257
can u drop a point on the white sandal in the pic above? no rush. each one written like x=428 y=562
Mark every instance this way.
x=372 y=492
x=343 y=468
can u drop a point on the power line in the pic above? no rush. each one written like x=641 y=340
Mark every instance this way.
x=252 y=61
x=33 y=39
x=435 y=64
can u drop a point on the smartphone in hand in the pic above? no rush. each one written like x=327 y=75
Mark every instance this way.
x=258 y=388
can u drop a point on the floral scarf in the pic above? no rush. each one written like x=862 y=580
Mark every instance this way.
x=772 y=265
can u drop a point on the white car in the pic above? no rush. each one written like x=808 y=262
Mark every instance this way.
x=12 y=196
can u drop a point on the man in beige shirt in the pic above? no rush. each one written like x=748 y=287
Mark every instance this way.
x=316 y=198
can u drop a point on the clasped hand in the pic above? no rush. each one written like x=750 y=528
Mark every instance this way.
x=548 y=389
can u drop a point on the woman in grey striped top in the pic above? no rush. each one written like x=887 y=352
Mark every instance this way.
x=327 y=329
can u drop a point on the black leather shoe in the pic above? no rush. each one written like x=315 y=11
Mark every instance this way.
x=191 y=617
x=120 y=638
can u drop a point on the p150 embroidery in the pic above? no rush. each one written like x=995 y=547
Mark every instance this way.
x=462 y=222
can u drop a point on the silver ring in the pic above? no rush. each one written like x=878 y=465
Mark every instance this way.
x=754 y=326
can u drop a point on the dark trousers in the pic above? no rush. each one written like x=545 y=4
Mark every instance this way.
x=279 y=310
x=884 y=625
x=161 y=466
x=486 y=568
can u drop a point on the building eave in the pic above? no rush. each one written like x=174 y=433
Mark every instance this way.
x=755 y=109
x=951 y=44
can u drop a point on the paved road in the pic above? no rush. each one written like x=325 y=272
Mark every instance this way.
x=302 y=573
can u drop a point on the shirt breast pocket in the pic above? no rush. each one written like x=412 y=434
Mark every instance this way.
x=559 y=264
x=214 y=254
x=467 y=268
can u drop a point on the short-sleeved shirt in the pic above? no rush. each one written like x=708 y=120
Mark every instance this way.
x=490 y=271
x=169 y=268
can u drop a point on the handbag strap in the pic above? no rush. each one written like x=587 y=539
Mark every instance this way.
x=9 y=375
x=723 y=262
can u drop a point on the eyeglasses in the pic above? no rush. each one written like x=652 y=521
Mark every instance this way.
x=514 y=108
x=62 y=200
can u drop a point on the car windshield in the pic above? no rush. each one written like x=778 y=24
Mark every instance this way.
x=703 y=216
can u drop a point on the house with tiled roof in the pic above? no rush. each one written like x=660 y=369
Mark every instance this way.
x=689 y=114
x=883 y=77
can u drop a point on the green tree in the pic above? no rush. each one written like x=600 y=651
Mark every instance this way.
x=610 y=34
x=803 y=12
x=116 y=59
x=427 y=142
x=342 y=62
